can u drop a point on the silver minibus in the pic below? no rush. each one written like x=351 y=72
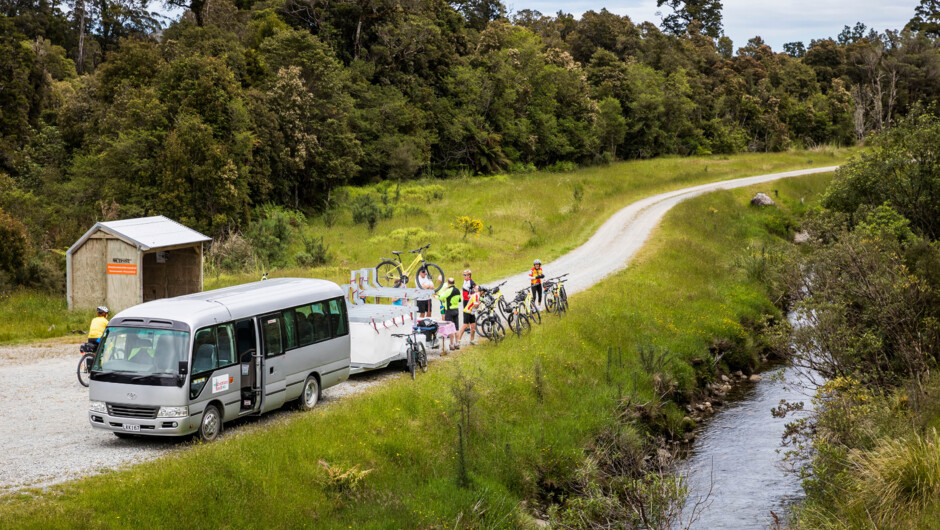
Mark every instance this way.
x=188 y=364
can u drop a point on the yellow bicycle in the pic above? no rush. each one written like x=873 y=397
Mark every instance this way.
x=390 y=270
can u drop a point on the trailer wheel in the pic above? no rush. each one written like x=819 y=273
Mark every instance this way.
x=211 y=425
x=311 y=393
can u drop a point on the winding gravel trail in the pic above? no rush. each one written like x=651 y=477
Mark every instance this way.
x=46 y=438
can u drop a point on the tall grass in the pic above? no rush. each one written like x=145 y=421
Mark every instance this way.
x=27 y=315
x=528 y=408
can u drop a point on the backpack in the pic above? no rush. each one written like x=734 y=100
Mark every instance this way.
x=426 y=326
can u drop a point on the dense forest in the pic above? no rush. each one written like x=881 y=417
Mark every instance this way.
x=110 y=111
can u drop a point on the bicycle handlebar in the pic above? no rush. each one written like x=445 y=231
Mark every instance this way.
x=411 y=251
x=405 y=334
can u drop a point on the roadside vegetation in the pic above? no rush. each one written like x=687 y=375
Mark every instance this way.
x=566 y=424
x=523 y=216
x=868 y=290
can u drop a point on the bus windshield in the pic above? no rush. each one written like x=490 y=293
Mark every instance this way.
x=141 y=352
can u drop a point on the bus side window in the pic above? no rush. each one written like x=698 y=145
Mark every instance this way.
x=290 y=329
x=271 y=328
x=338 y=317
x=304 y=325
x=225 y=346
x=320 y=321
x=205 y=355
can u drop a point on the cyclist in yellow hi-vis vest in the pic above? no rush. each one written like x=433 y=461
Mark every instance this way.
x=98 y=324
x=535 y=276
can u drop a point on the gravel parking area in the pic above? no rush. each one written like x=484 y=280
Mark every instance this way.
x=47 y=439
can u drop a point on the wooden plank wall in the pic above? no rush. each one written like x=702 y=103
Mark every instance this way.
x=180 y=274
x=89 y=280
x=123 y=287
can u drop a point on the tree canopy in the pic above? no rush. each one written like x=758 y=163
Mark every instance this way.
x=107 y=111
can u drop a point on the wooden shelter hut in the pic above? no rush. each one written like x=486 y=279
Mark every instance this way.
x=124 y=263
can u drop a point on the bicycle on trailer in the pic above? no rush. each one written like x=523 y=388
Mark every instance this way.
x=487 y=316
x=417 y=355
x=390 y=270
x=556 y=298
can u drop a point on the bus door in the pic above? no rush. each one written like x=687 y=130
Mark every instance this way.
x=273 y=363
x=246 y=345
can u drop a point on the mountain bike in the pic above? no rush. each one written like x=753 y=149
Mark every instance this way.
x=498 y=300
x=519 y=321
x=526 y=302
x=556 y=298
x=390 y=270
x=416 y=355
x=87 y=350
x=488 y=322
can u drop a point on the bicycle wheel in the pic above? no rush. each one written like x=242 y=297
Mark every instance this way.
x=549 y=303
x=563 y=295
x=436 y=274
x=84 y=368
x=519 y=325
x=387 y=272
x=412 y=360
x=498 y=332
x=423 y=358
x=504 y=308
x=485 y=326
x=534 y=315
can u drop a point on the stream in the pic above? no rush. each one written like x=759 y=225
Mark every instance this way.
x=736 y=456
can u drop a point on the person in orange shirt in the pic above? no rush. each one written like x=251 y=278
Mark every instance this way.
x=535 y=277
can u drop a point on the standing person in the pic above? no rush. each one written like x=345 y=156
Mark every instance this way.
x=469 y=320
x=450 y=299
x=96 y=329
x=423 y=281
x=535 y=276
x=467 y=288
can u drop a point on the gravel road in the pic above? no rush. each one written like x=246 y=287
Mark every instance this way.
x=46 y=437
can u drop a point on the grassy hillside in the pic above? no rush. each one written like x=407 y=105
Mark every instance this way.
x=525 y=216
x=536 y=406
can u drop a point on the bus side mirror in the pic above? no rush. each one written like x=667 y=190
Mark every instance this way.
x=183 y=368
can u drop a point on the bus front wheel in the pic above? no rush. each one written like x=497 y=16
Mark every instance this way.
x=211 y=425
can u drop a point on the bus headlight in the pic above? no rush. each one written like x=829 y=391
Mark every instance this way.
x=97 y=406
x=173 y=412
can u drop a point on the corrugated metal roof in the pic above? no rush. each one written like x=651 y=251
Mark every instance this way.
x=147 y=232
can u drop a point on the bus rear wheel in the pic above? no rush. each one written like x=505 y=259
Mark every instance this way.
x=211 y=425
x=311 y=393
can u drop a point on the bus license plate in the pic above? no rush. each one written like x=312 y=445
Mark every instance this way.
x=131 y=427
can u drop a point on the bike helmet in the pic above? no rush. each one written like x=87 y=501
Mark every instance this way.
x=102 y=309
x=537 y=262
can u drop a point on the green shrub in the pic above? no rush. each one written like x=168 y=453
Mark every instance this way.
x=519 y=167
x=366 y=210
x=562 y=166
x=14 y=246
x=316 y=252
x=270 y=236
x=232 y=253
